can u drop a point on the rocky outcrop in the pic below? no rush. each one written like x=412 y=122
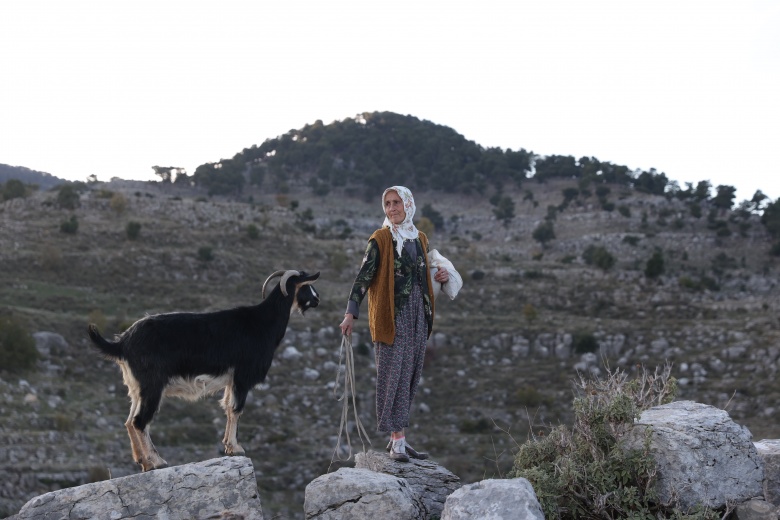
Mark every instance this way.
x=219 y=488
x=769 y=451
x=430 y=481
x=357 y=494
x=703 y=457
x=496 y=499
x=417 y=489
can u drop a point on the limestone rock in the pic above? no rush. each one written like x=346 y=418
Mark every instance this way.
x=499 y=499
x=755 y=510
x=218 y=488
x=358 y=494
x=432 y=482
x=703 y=457
x=769 y=451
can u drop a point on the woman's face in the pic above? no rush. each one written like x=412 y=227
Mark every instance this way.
x=394 y=207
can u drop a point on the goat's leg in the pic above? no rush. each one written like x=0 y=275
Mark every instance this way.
x=230 y=440
x=150 y=401
x=137 y=444
x=135 y=441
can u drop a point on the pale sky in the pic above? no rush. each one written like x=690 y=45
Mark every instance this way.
x=689 y=87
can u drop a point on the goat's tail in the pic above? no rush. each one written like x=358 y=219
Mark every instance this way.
x=111 y=349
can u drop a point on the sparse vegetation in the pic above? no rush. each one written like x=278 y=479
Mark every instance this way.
x=586 y=471
x=70 y=226
x=17 y=347
x=133 y=230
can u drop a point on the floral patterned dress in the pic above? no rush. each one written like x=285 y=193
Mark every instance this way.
x=399 y=366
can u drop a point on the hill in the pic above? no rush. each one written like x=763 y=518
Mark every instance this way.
x=622 y=277
x=42 y=180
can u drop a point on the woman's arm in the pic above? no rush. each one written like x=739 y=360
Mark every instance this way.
x=363 y=280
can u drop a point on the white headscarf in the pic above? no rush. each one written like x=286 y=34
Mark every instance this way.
x=405 y=230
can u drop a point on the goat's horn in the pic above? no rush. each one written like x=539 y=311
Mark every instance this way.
x=274 y=275
x=283 y=282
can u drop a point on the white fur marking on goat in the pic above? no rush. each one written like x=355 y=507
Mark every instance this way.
x=198 y=387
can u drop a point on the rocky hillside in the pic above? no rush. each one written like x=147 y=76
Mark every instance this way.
x=499 y=366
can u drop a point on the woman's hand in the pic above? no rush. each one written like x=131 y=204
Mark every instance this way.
x=441 y=276
x=346 y=325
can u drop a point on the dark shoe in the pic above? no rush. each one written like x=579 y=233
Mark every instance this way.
x=399 y=457
x=420 y=455
x=397 y=451
x=410 y=451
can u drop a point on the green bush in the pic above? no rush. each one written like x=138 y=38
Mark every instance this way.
x=599 y=257
x=544 y=232
x=586 y=472
x=68 y=197
x=253 y=231
x=584 y=342
x=12 y=189
x=481 y=425
x=17 y=346
x=655 y=266
x=205 y=254
x=70 y=226
x=133 y=229
x=631 y=239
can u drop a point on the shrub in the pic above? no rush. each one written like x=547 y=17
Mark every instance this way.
x=529 y=312
x=544 y=232
x=477 y=275
x=70 y=226
x=133 y=229
x=252 y=231
x=68 y=197
x=598 y=256
x=118 y=203
x=655 y=266
x=528 y=396
x=12 y=189
x=631 y=239
x=584 y=342
x=205 y=254
x=51 y=258
x=624 y=210
x=17 y=346
x=481 y=425
x=585 y=472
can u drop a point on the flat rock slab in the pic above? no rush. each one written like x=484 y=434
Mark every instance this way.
x=223 y=488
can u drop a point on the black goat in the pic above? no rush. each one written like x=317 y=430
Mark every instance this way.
x=191 y=355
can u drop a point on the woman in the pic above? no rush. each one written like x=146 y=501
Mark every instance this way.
x=396 y=277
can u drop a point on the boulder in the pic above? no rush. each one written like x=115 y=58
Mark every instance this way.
x=755 y=510
x=769 y=451
x=499 y=499
x=218 y=488
x=357 y=494
x=430 y=481
x=703 y=457
x=49 y=343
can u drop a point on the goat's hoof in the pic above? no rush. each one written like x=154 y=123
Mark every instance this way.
x=233 y=451
x=150 y=465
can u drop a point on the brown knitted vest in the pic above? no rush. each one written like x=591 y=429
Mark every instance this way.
x=381 y=292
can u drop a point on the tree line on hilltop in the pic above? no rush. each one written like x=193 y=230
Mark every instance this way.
x=360 y=154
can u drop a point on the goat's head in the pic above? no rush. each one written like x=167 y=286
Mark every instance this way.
x=301 y=285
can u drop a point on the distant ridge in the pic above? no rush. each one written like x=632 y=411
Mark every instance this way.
x=26 y=175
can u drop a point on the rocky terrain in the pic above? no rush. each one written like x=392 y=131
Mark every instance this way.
x=499 y=365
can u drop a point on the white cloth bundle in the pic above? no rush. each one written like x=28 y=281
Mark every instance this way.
x=451 y=288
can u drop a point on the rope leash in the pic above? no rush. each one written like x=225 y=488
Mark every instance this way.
x=347 y=355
